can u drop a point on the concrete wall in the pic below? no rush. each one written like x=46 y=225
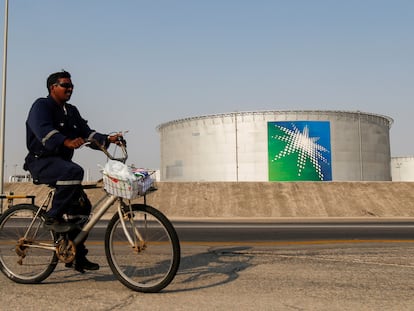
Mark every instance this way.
x=269 y=199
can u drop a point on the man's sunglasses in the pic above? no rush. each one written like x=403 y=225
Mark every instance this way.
x=66 y=85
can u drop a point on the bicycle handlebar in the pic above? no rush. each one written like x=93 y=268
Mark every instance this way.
x=121 y=143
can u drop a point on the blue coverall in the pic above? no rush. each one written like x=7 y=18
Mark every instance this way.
x=49 y=161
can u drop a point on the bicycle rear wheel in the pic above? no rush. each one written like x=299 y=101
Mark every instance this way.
x=20 y=259
x=153 y=263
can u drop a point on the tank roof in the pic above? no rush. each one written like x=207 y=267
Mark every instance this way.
x=389 y=120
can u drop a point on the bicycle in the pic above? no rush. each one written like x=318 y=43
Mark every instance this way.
x=141 y=245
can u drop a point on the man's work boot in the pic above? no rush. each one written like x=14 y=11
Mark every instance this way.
x=82 y=263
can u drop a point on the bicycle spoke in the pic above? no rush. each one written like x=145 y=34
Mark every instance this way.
x=26 y=249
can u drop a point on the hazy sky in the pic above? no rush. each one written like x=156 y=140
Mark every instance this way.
x=136 y=64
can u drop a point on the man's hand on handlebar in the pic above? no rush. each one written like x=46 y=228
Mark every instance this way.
x=117 y=138
x=74 y=143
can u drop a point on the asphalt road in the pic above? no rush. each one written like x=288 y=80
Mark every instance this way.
x=248 y=231
x=219 y=271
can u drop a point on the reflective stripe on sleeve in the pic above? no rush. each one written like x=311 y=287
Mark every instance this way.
x=91 y=135
x=50 y=134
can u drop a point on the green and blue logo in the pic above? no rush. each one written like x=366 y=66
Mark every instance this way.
x=299 y=151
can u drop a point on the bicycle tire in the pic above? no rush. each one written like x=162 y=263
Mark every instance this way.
x=37 y=263
x=152 y=268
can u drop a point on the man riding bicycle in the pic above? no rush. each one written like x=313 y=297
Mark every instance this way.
x=54 y=129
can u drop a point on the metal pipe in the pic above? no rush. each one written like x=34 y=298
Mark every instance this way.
x=237 y=146
x=3 y=101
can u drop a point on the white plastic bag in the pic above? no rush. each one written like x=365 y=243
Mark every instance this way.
x=118 y=170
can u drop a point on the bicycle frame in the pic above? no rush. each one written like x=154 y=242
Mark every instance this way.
x=97 y=215
x=97 y=212
x=99 y=209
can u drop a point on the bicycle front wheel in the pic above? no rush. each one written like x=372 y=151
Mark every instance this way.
x=24 y=257
x=151 y=263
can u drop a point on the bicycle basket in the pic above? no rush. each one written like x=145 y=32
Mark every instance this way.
x=130 y=188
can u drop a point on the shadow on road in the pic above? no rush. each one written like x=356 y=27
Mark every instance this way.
x=215 y=267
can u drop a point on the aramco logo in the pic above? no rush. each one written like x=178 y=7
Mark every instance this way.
x=299 y=151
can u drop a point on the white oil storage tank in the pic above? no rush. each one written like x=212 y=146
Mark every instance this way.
x=277 y=146
x=402 y=168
